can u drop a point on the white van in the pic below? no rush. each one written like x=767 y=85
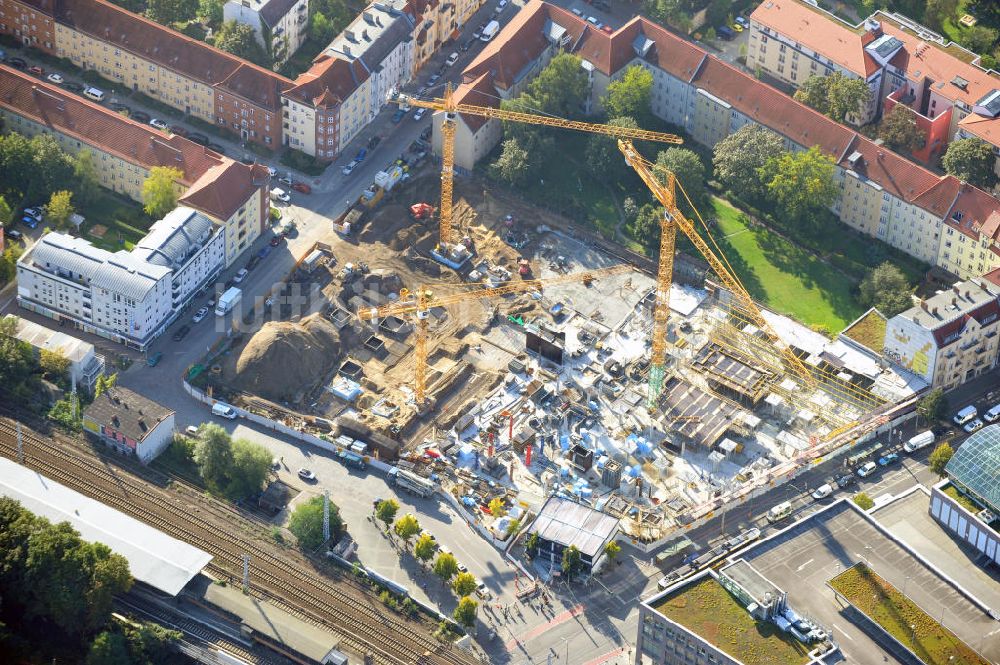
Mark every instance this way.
x=919 y=441
x=490 y=31
x=224 y=410
x=94 y=93
x=965 y=415
x=993 y=414
x=779 y=512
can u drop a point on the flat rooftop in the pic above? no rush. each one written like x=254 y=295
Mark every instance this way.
x=162 y=562
x=569 y=523
x=802 y=558
x=694 y=413
x=705 y=608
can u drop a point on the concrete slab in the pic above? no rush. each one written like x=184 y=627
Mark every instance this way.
x=909 y=520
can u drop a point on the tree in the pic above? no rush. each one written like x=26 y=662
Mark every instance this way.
x=690 y=173
x=59 y=209
x=306 y=523
x=54 y=366
x=465 y=612
x=17 y=359
x=386 y=511
x=108 y=648
x=933 y=405
x=51 y=168
x=251 y=464
x=603 y=158
x=211 y=12
x=562 y=87
x=6 y=212
x=407 y=527
x=938 y=11
x=899 y=130
x=88 y=183
x=612 y=549
x=166 y=12
x=979 y=39
x=513 y=527
x=105 y=382
x=513 y=165
x=645 y=228
x=630 y=95
x=886 y=288
x=498 y=508
x=158 y=191
x=321 y=28
x=836 y=95
x=737 y=158
x=939 y=459
x=570 y=561
x=445 y=565
x=8 y=262
x=240 y=39
x=16 y=164
x=464 y=584
x=863 y=501
x=802 y=183
x=424 y=548
x=531 y=545
x=214 y=455
x=970 y=160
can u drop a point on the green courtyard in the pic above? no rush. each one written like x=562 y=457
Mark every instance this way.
x=114 y=222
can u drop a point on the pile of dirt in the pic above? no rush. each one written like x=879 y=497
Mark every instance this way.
x=382 y=281
x=284 y=359
x=405 y=238
x=429 y=267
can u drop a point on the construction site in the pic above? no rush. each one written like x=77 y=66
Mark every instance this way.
x=497 y=348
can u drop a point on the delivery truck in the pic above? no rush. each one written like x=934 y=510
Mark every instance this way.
x=228 y=300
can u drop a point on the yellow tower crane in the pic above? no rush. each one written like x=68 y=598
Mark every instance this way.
x=423 y=299
x=451 y=109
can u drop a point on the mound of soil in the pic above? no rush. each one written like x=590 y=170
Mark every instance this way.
x=284 y=359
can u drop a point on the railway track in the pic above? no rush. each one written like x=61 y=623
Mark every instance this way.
x=188 y=515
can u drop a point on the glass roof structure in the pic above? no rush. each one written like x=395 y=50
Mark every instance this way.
x=976 y=466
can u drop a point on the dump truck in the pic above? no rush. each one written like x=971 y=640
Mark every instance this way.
x=411 y=482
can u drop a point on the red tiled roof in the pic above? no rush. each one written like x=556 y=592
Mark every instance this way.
x=901 y=177
x=979 y=213
x=328 y=82
x=477 y=92
x=93 y=124
x=152 y=41
x=988 y=129
x=518 y=44
x=224 y=188
x=987 y=309
x=831 y=39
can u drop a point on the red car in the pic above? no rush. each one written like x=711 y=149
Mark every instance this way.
x=302 y=188
x=37 y=71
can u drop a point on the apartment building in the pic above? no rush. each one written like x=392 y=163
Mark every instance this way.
x=903 y=61
x=232 y=194
x=881 y=193
x=326 y=106
x=949 y=338
x=279 y=25
x=126 y=296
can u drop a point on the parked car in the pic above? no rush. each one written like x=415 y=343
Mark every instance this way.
x=141 y=116
x=866 y=469
x=252 y=263
x=18 y=63
x=219 y=149
x=846 y=479
x=55 y=78
x=302 y=188
x=122 y=108
x=888 y=459
x=36 y=70
x=224 y=410
x=478 y=32
x=452 y=59
x=823 y=491
x=993 y=414
x=737 y=27
x=200 y=139
x=29 y=221
x=12 y=234
x=271 y=171
x=159 y=124
x=482 y=591
x=73 y=87
x=180 y=131
x=353 y=164
x=360 y=157
x=743 y=21
x=181 y=332
x=35 y=213
x=199 y=315
x=191 y=430
x=374 y=141
x=285 y=180
x=396 y=118
x=973 y=425
x=419 y=115
x=306 y=474
x=433 y=79
x=154 y=359
x=241 y=275
x=724 y=32
x=467 y=44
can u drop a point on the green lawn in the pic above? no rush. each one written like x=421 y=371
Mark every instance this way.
x=783 y=276
x=125 y=220
x=904 y=620
x=962 y=499
x=709 y=611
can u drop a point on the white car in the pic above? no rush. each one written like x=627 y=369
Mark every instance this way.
x=973 y=425
x=271 y=171
x=822 y=491
x=306 y=474
x=159 y=124
x=36 y=213
x=419 y=115
x=452 y=59
x=191 y=430
x=55 y=78
x=866 y=469
x=199 y=315
x=482 y=591
x=241 y=275
x=347 y=170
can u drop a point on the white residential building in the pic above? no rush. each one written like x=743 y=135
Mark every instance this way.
x=280 y=25
x=129 y=297
x=85 y=364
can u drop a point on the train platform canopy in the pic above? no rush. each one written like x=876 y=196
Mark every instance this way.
x=154 y=558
